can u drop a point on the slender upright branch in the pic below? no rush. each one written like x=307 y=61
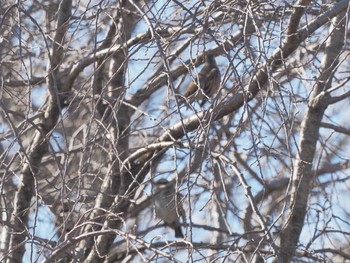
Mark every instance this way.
x=310 y=126
x=39 y=146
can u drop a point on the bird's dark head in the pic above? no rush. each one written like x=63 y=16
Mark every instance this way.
x=210 y=59
x=161 y=183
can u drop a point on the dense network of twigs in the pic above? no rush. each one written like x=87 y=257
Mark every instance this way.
x=92 y=114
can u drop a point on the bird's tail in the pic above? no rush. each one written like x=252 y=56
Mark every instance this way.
x=178 y=231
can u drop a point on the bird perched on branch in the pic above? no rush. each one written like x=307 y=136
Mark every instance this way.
x=168 y=205
x=207 y=84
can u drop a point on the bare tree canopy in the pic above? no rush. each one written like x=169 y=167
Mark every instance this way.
x=174 y=131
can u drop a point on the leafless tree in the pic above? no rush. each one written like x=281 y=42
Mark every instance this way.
x=92 y=114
